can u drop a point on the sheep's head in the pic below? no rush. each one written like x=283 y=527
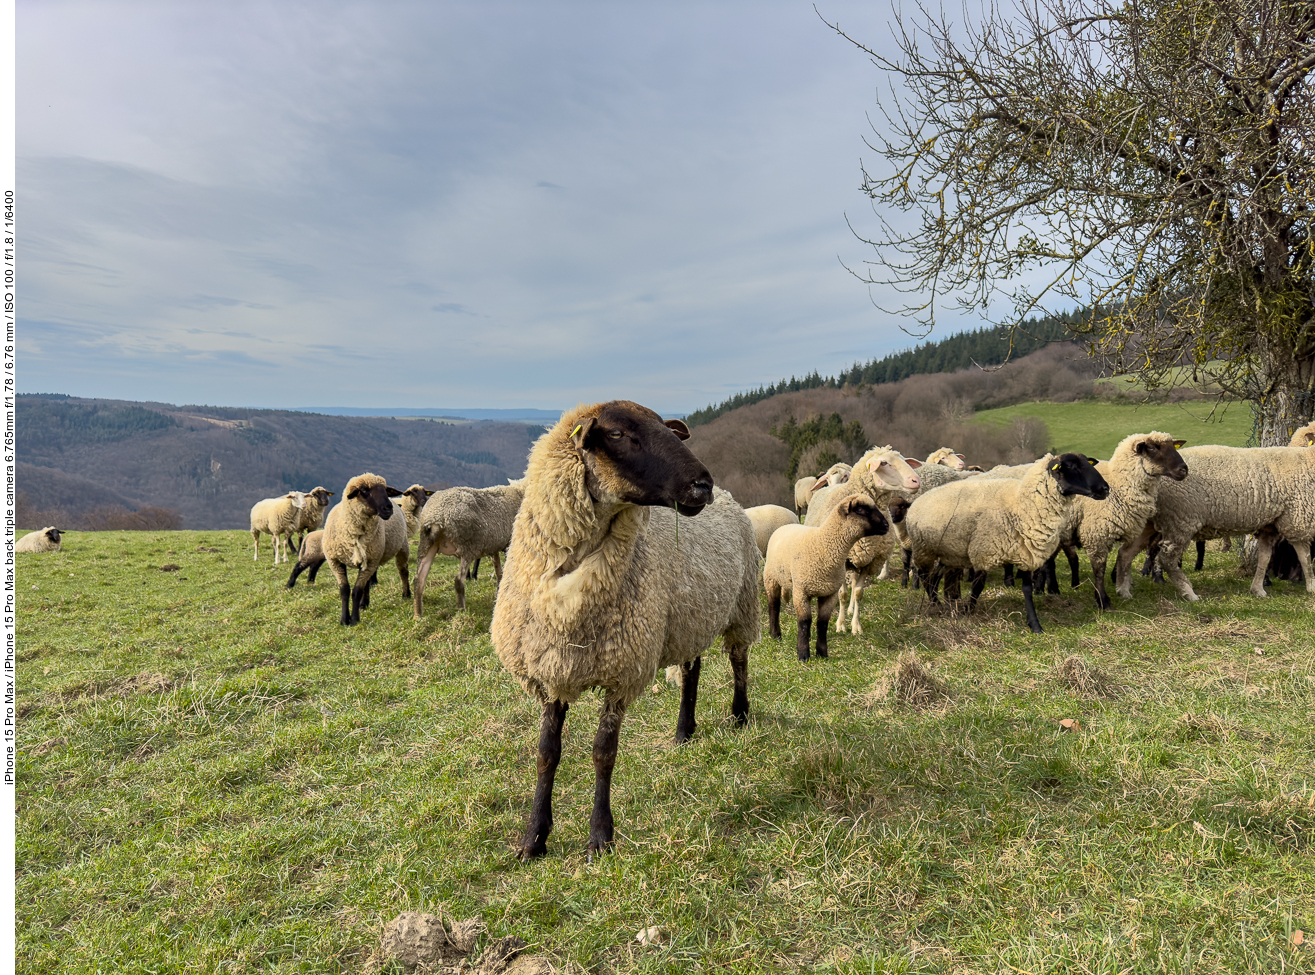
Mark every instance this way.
x=898 y=507
x=1158 y=453
x=321 y=496
x=371 y=492
x=861 y=508
x=418 y=495
x=1303 y=437
x=53 y=534
x=886 y=467
x=1077 y=474
x=631 y=454
x=947 y=458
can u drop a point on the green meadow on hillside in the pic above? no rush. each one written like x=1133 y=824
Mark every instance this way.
x=215 y=776
x=1095 y=427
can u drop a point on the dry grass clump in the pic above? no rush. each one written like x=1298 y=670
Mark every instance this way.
x=910 y=684
x=1085 y=679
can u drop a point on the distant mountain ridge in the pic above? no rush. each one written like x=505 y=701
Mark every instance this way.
x=525 y=415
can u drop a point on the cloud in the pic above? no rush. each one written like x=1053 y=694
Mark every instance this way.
x=453 y=309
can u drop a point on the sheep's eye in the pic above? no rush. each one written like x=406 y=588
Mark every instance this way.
x=615 y=434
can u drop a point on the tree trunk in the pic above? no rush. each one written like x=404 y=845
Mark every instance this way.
x=1290 y=401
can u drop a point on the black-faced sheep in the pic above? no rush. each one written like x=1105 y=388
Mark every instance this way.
x=601 y=588
x=45 y=540
x=310 y=516
x=809 y=563
x=356 y=534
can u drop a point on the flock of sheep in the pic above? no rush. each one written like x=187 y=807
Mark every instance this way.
x=622 y=558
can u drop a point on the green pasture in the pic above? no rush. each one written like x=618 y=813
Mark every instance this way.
x=215 y=776
x=1095 y=427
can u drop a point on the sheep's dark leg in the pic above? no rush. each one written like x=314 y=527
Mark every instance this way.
x=460 y=582
x=739 y=654
x=535 y=843
x=473 y=571
x=932 y=582
x=774 y=612
x=689 y=698
x=296 y=571
x=1050 y=574
x=908 y=562
x=825 y=607
x=314 y=569
x=979 y=583
x=1200 y=554
x=497 y=572
x=953 y=586
x=1009 y=574
x=605 y=744
x=1071 y=553
x=1264 y=550
x=360 y=596
x=345 y=593
x=1098 y=560
x=404 y=557
x=1033 y=623
x=804 y=614
x=370 y=583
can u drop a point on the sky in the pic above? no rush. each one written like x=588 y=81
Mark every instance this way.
x=434 y=205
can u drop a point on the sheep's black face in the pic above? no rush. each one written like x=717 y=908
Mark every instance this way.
x=322 y=496
x=1077 y=474
x=898 y=509
x=1161 y=457
x=376 y=498
x=866 y=511
x=631 y=454
x=54 y=535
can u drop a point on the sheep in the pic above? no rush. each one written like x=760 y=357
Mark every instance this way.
x=278 y=517
x=803 y=493
x=412 y=503
x=310 y=517
x=467 y=523
x=1265 y=491
x=809 y=563
x=766 y=519
x=355 y=533
x=1134 y=473
x=45 y=540
x=946 y=457
x=881 y=473
x=609 y=578
x=980 y=523
x=309 y=556
x=1303 y=436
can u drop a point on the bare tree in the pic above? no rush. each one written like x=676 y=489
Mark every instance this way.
x=1149 y=159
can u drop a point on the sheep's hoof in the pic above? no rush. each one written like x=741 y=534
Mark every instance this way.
x=528 y=853
x=856 y=629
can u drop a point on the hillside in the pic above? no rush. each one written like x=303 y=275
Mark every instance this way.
x=82 y=456
x=1009 y=414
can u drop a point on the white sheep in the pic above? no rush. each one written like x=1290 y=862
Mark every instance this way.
x=310 y=516
x=355 y=534
x=946 y=457
x=1265 y=491
x=1134 y=474
x=882 y=474
x=467 y=524
x=809 y=563
x=606 y=582
x=278 y=517
x=803 y=493
x=766 y=519
x=45 y=540
x=979 y=523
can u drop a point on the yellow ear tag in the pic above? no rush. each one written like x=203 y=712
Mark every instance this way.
x=576 y=430
x=1055 y=468
x=1310 y=441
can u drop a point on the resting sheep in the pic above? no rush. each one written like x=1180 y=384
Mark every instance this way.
x=356 y=533
x=45 y=540
x=1265 y=491
x=278 y=517
x=809 y=563
x=602 y=588
x=766 y=518
x=467 y=523
x=980 y=523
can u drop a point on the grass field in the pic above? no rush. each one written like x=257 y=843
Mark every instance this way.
x=217 y=777
x=1095 y=427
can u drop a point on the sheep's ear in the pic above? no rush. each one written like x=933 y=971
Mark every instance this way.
x=581 y=431
x=1055 y=466
x=678 y=428
x=1178 y=444
x=961 y=456
x=353 y=493
x=392 y=491
x=1092 y=461
x=915 y=464
x=821 y=482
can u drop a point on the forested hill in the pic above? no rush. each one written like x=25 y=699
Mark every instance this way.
x=88 y=463
x=984 y=347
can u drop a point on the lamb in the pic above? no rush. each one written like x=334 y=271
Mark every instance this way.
x=946 y=457
x=882 y=474
x=1134 y=473
x=467 y=523
x=310 y=517
x=602 y=587
x=355 y=533
x=766 y=519
x=809 y=563
x=278 y=517
x=309 y=556
x=412 y=503
x=1265 y=491
x=45 y=540
x=980 y=523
